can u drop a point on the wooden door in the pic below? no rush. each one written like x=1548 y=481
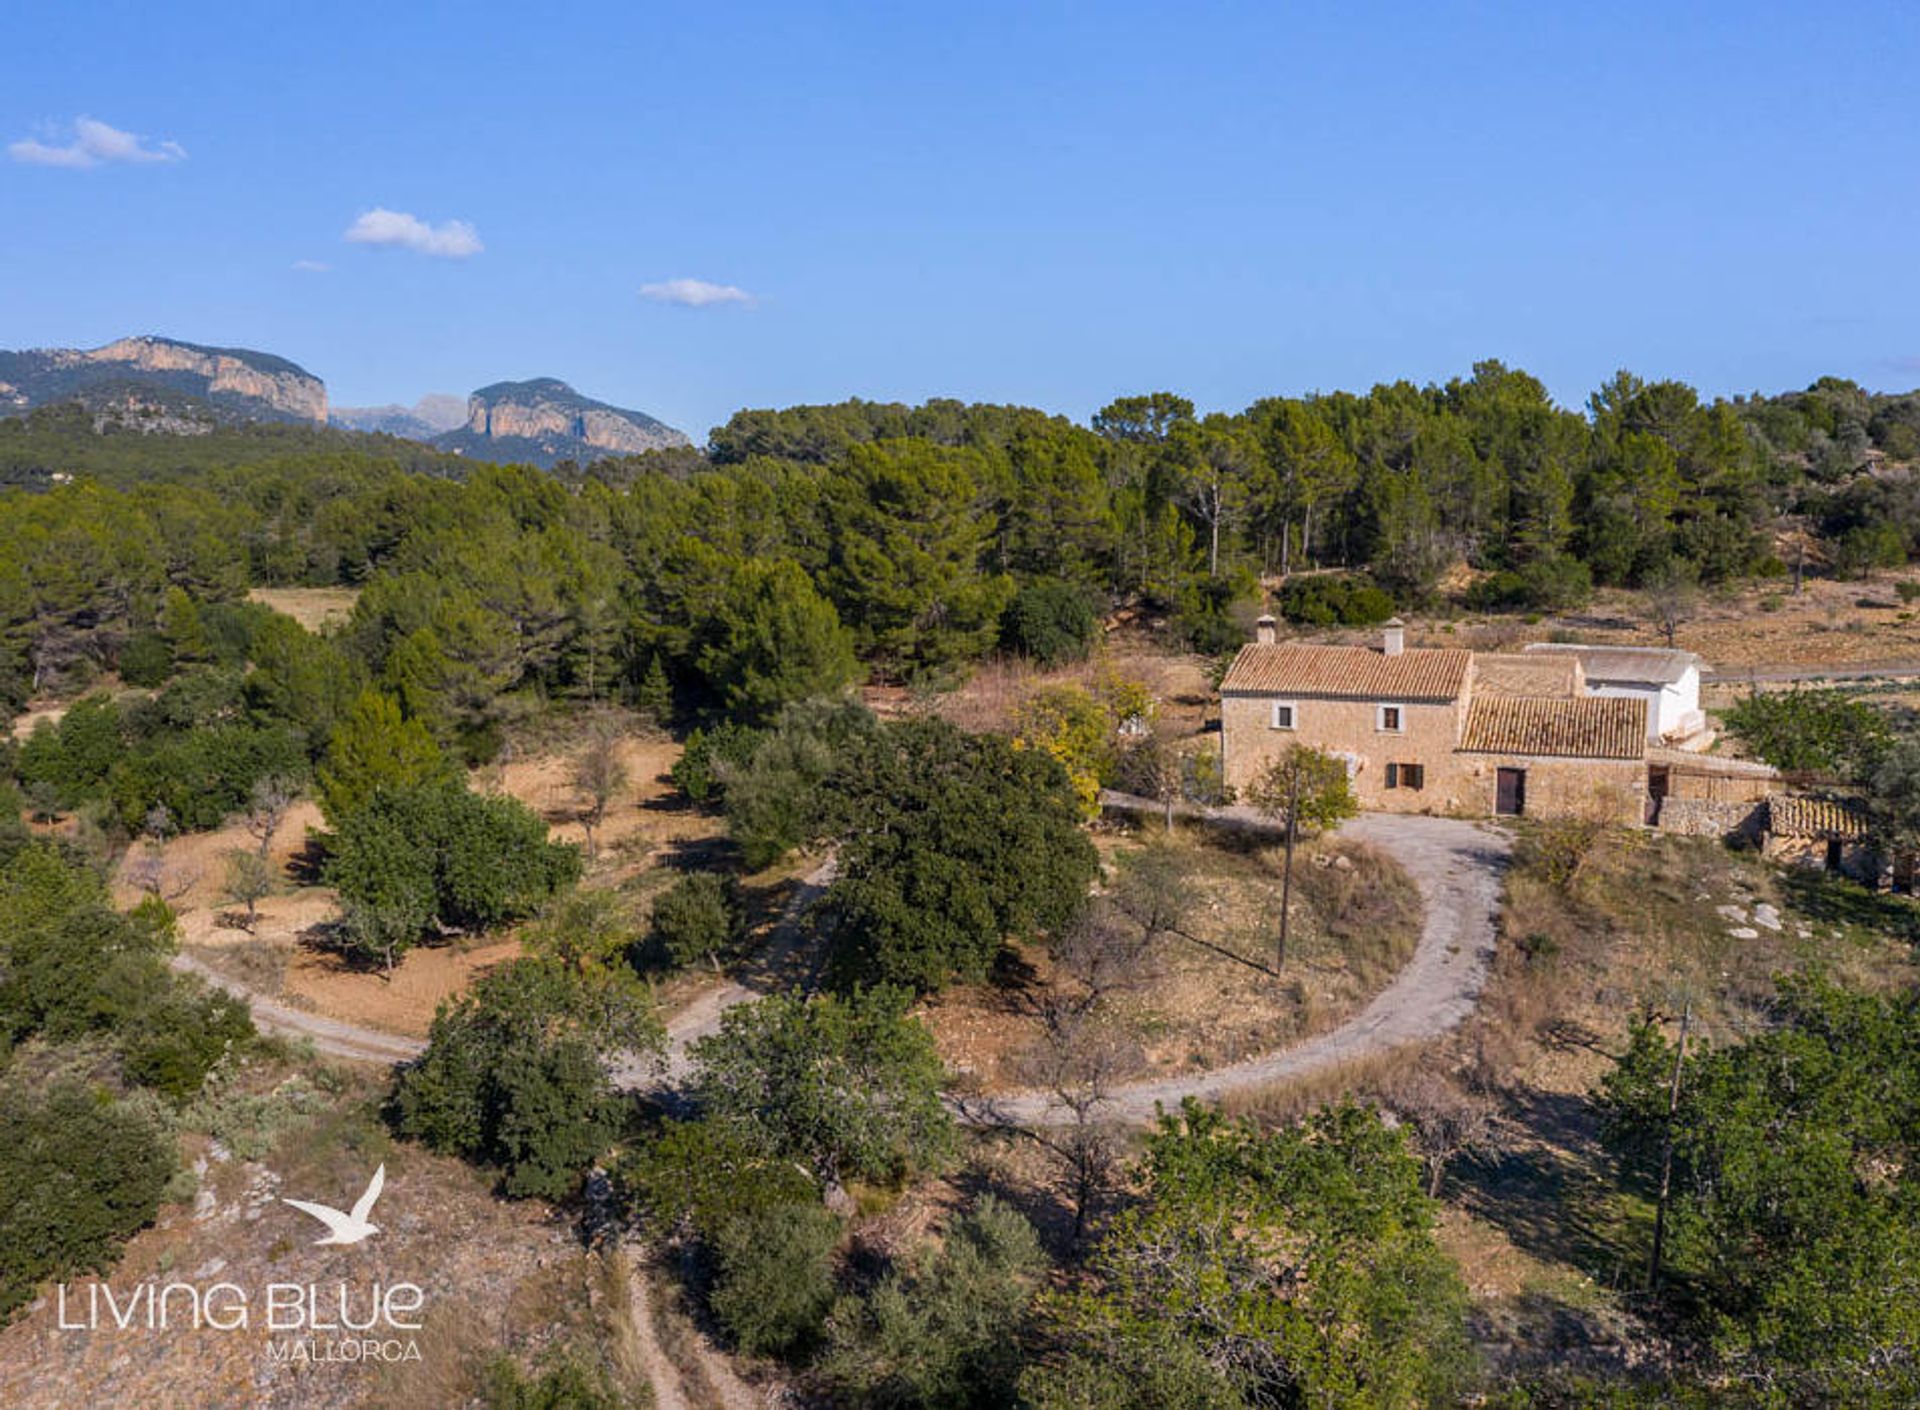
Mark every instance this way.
x=1510 y=792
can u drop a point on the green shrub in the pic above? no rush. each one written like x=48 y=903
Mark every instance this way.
x=774 y=1283
x=1051 y=621
x=146 y=660
x=566 y=1384
x=696 y=772
x=79 y=1173
x=706 y=1174
x=512 y=1076
x=1549 y=584
x=1328 y=601
x=696 y=919
x=947 y=1329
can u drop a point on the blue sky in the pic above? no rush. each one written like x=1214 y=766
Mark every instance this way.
x=1041 y=203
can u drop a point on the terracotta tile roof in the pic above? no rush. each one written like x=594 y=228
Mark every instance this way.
x=1356 y=672
x=1588 y=728
x=1790 y=816
x=1552 y=674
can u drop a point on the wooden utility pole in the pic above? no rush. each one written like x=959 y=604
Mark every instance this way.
x=1666 y=1151
x=1286 y=876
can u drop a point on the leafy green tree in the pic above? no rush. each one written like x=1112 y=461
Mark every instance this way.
x=653 y=696
x=71 y=759
x=697 y=919
x=1052 y=621
x=704 y=1174
x=775 y=640
x=79 y=1173
x=780 y=797
x=944 y=1332
x=301 y=679
x=774 y=1283
x=700 y=770
x=182 y=630
x=585 y=931
x=1148 y=418
x=960 y=843
x=512 y=1077
x=1296 y=1267
x=435 y=855
x=1813 y=731
x=371 y=749
x=72 y=967
x=1791 y=1231
x=847 y=1086
x=906 y=564
x=1304 y=790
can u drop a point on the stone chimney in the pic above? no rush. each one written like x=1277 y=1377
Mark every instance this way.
x=1263 y=629
x=1393 y=637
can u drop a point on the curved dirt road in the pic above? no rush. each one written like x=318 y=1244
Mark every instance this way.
x=328 y=1035
x=1457 y=866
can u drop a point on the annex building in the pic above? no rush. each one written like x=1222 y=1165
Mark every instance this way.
x=1549 y=731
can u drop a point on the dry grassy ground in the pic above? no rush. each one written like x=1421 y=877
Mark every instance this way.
x=1757 y=626
x=315 y=608
x=1356 y=917
x=289 y=954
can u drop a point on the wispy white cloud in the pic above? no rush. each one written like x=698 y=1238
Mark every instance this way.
x=694 y=293
x=382 y=228
x=91 y=142
x=311 y=266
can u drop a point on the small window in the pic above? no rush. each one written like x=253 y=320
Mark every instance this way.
x=1283 y=714
x=1390 y=719
x=1407 y=776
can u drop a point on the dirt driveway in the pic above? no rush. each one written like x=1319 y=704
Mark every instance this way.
x=1457 y=866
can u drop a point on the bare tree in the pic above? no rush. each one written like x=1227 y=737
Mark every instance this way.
x=1671 y=599
x=1102 y=953
x=1078 y=1059
x=598 y=777
x=1155 y=767
x=1449 y=1121
x=249 y=879
x=272 y=799
x=150 y=870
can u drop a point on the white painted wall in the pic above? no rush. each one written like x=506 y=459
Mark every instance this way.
x=1671 y=709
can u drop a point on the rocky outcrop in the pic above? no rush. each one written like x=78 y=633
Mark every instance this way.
x=545 y=421
x=250 y=384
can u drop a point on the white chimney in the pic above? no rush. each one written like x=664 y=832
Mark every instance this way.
x=1393 y=637
x=1263 y=630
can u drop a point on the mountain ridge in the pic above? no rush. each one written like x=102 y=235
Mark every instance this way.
x=157 y=383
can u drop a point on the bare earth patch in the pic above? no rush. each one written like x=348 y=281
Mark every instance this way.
x=315 y=608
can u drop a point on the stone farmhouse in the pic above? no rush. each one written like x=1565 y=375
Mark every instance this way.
x=1549 y=731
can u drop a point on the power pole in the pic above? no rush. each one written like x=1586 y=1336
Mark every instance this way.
x=1286 y=878
x=1666 y=1151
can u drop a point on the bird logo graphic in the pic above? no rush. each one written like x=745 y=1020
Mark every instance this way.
x=348 y=1228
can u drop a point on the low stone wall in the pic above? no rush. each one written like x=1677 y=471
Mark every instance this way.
x=1705 y=817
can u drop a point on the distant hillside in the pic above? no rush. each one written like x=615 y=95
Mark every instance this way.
x=229 y=383
x=544 y=421
x=431 y=416
x=180 y=440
